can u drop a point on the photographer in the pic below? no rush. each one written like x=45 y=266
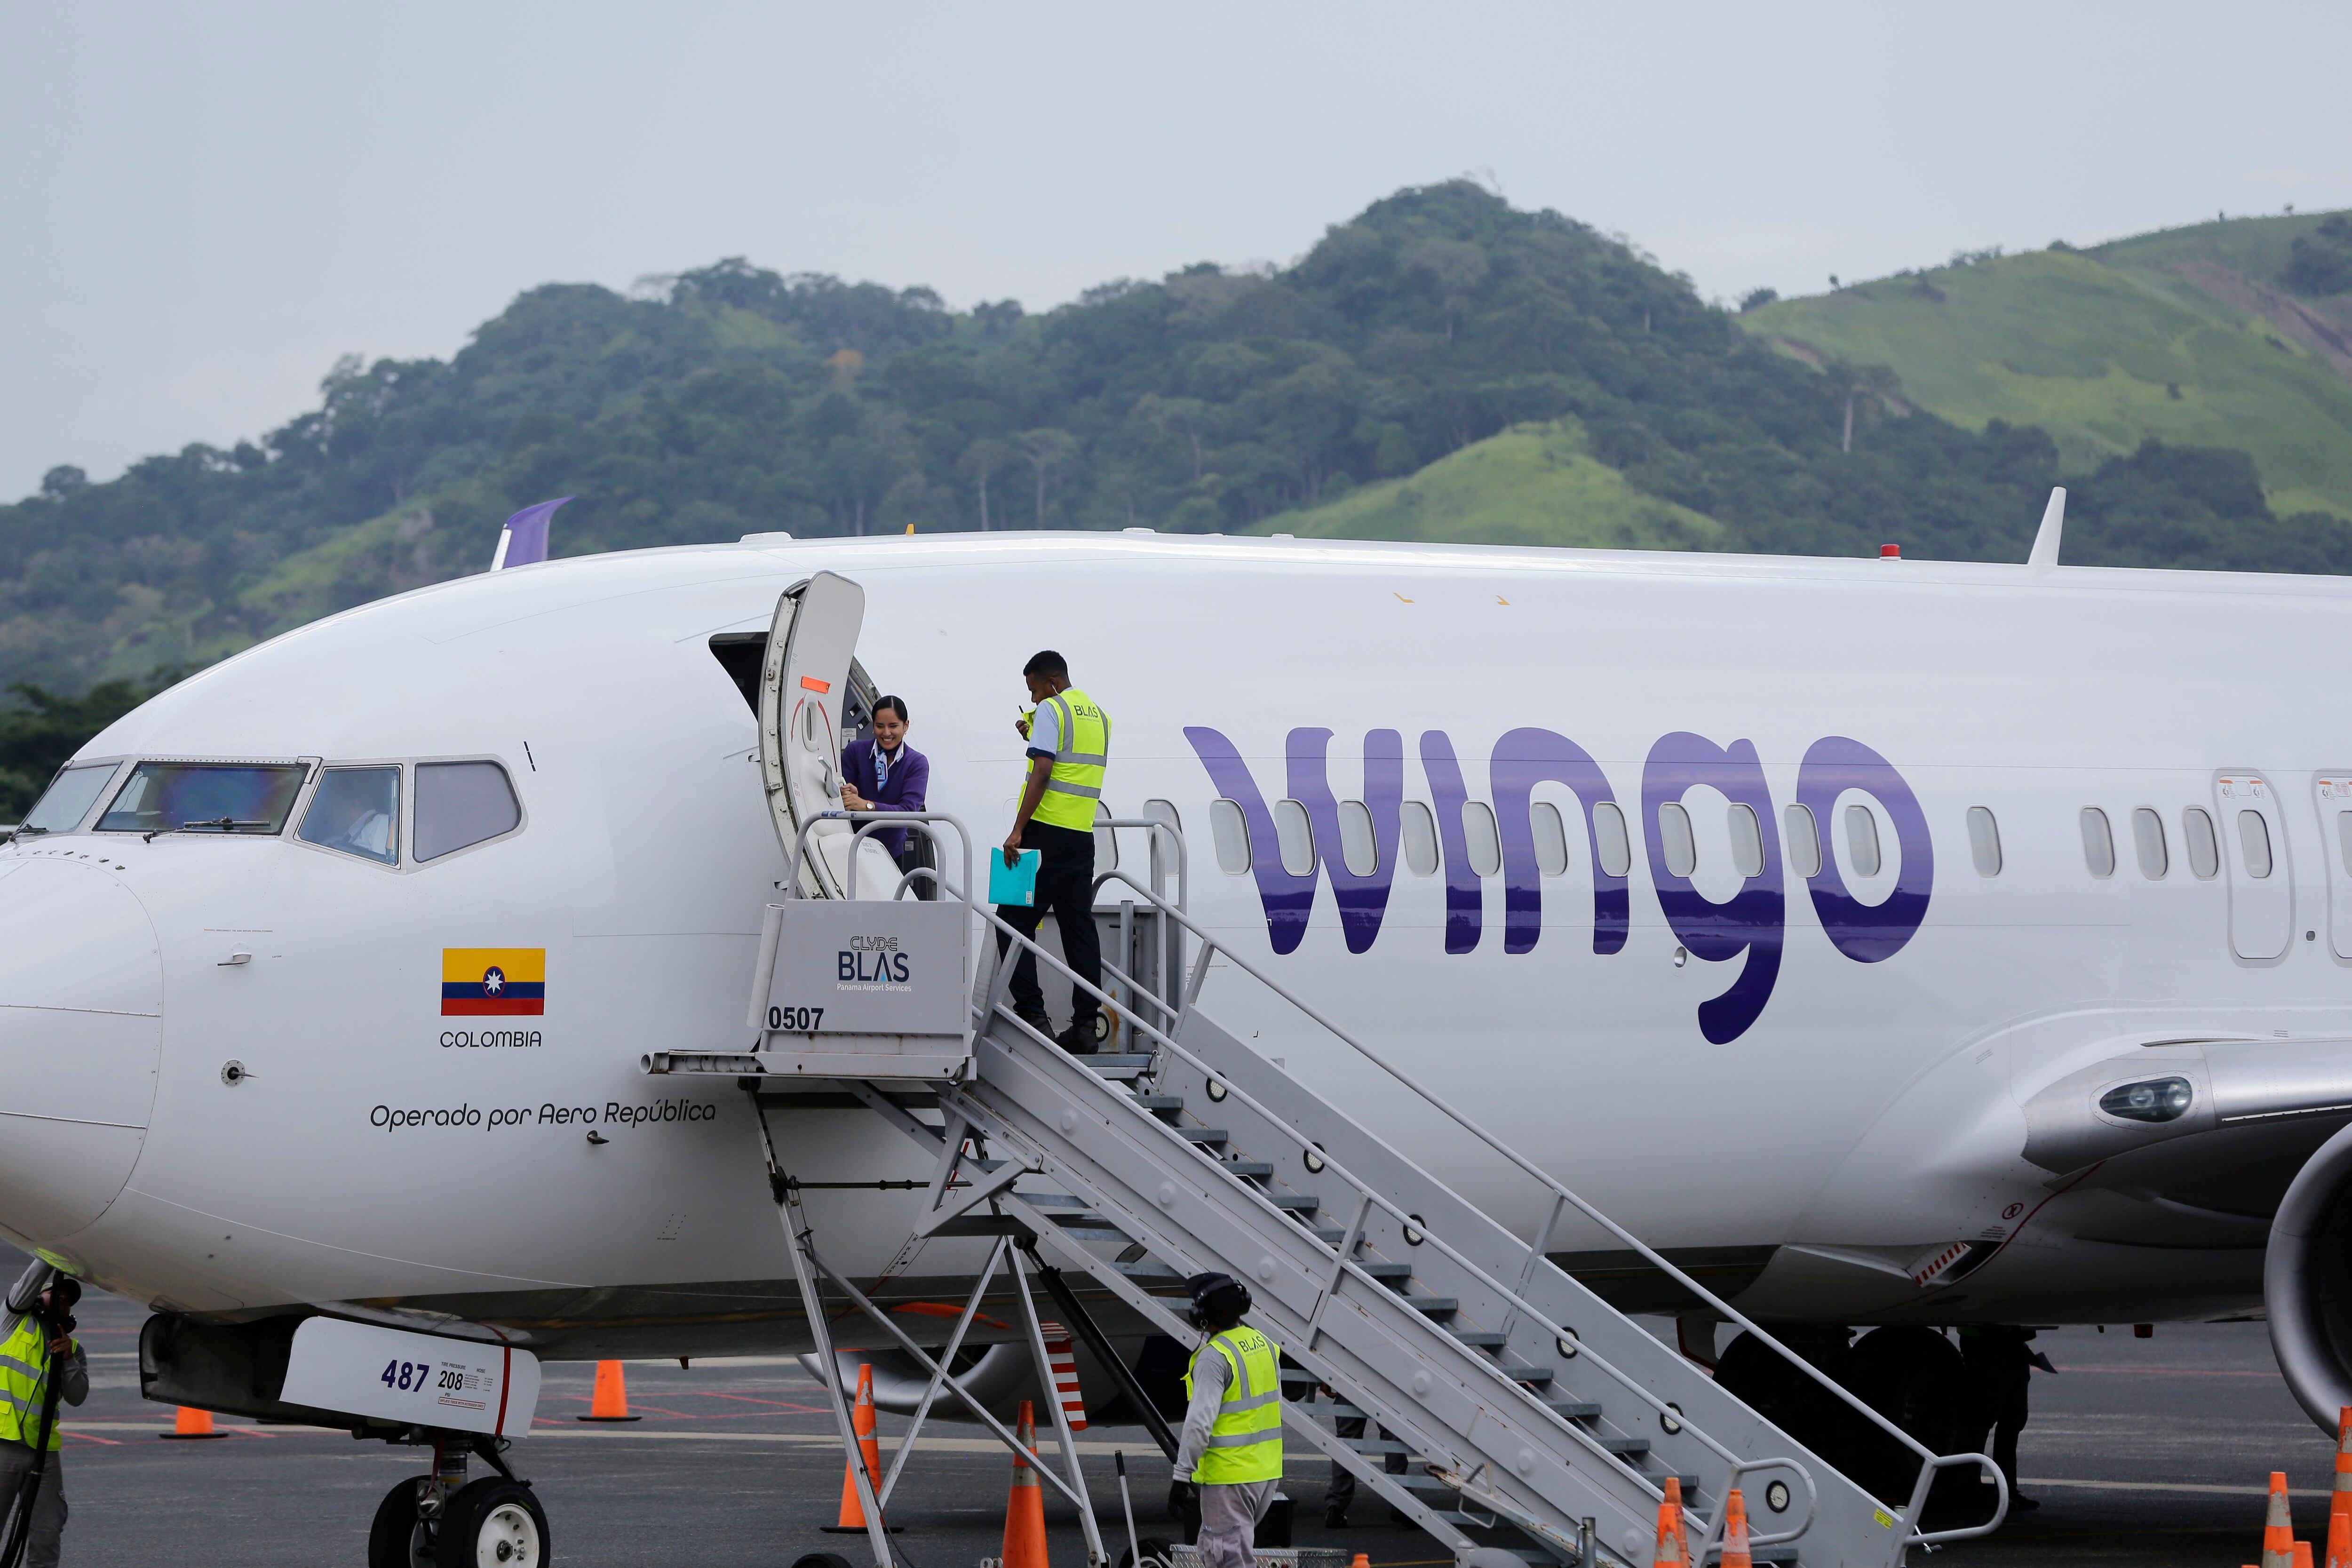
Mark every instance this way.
x=38 y=1344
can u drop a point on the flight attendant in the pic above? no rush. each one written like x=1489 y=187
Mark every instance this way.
x=885 y=773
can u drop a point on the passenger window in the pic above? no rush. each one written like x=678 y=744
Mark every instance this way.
x=2098 y=842
x=68 y=799
x=2254 y=837
x=2148 y=840
x=1419 y=825
x=1551 y=838
x=357 y=811
x=1485 y=844
x=1862 y=840
x=1230 y=829
x=1984 y=841
x=1804 y=837
x=1360 y=846
x=2204 y=850
x=1609 y=832
x=1675 y=840
x=1294 y=837
x=460 y=804
x=1746 y=841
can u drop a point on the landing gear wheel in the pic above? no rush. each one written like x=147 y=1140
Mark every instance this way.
x=396 y=1536
x=493 y=1523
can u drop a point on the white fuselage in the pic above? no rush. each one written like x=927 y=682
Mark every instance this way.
x=1866 y=1115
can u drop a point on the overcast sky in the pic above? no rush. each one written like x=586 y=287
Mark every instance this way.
x=205 y=206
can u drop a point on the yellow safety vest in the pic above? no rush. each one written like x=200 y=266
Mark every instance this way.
x=1076 y=780
x=24 y=1384
x=1245 y=1443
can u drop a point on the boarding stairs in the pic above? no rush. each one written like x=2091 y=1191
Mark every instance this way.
x=1538 y=1423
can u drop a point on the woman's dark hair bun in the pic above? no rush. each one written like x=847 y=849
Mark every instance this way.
x=897 y=703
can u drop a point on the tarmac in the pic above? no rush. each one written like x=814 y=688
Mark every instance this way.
x=2152 y=1452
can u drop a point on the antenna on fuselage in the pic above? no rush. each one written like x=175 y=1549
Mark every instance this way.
x=2054 y=524
x=523 y=540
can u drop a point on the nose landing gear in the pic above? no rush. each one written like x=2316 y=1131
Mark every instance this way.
x=443 y=1520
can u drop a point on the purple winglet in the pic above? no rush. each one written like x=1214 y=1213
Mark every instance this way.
x=524 y=539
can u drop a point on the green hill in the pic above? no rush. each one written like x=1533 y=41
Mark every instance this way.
x=1533 y=484
x=2233 y=334
x=1439 y=366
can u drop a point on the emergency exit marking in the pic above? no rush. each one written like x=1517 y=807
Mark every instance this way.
x=811 y=683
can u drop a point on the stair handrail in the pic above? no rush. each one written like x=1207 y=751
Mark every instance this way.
x=1930 y=1461
x=994 y=1006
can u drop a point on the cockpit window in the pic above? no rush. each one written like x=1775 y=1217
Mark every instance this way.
x=459 y=804
x=68 y=799
x=357 y=811
x=205 y=797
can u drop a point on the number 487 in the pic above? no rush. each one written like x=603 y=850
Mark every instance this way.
x=405 y=1375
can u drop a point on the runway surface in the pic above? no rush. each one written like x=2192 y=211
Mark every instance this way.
x=2150 y=1452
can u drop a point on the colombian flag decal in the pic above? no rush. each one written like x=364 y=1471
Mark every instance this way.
x=493 y=982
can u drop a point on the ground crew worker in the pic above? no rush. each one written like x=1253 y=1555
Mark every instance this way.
x=1232 y=1445
x=2001 y=1363
x=40 y=1344
x=1069 y=750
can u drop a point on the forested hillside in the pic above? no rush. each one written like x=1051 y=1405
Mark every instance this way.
x=1568 y=389
x=2233 y=333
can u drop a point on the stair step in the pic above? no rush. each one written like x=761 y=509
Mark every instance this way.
x=1377 y=1446
x=1119 y=1069
x=1156 y=1103
x=1162 y=1271
x=1328 y=1235
x=1203 y=1135
x=1574 y=1409
x=1481 y=1339
x=1381 y=1270
x=1083 y=1220
x=1305 y=1203
x=1626 y=1445
x=1434 y=1306
x=1246 y=1168
x=1537 y=1375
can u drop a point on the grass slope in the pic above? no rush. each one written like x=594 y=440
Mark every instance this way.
x=1533 y=484
x=2183 y=336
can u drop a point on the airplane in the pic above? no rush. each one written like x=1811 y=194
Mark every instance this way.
x=1890 y=942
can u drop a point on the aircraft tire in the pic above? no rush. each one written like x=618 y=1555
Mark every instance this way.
x=494 y=1524
x=394 y=1537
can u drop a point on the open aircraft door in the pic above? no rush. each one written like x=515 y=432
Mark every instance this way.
x=2253 y=847
x=804 y=680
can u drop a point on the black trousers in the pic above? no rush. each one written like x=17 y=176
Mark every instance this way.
x=1066 y=888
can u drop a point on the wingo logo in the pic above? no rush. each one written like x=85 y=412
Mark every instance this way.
x=1752 y=921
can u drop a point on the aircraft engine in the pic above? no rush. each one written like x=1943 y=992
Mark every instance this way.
x=2307 y=1282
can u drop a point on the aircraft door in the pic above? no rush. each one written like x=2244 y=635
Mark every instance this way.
x=803 y=681
x=2334 y=791
x=2253 y=846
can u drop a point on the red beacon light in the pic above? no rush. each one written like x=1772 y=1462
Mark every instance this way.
x=1890 y=553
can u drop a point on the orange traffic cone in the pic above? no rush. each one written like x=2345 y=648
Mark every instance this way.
x=610 y=1399
x=852 y=1518
x=1735 y=1531
x=2339 y=1501
x=1671 y=1552
x=1362 y=1562
x=192 y=1423
x=2278 y=1527
x=1024 y=1510
x=1674 y=1499
x=2302 y=1555
x=2339 y=1540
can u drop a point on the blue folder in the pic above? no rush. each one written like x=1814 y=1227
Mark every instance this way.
x=1013 y=884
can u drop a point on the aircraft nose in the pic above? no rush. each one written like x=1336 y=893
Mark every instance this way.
x=81 y=1025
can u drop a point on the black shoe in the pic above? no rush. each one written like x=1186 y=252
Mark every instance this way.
x=1078 y=1039
x=1037 y=1021
x=2020 y=1503
x=1333 y=1519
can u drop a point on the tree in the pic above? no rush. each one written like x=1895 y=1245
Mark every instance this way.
x=980 y=460
x=1046 y=449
